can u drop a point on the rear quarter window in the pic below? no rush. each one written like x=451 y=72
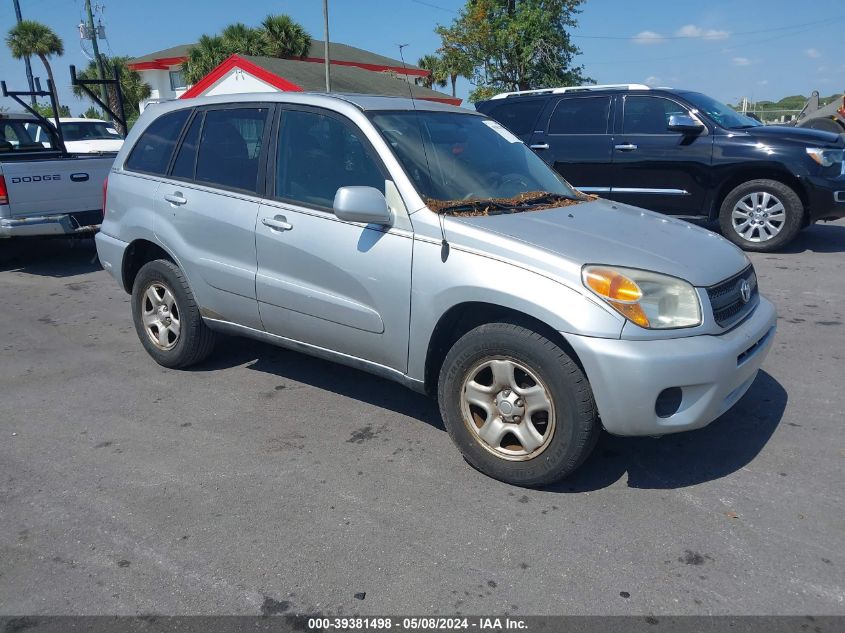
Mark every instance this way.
x=518 y=116
x=151 y=153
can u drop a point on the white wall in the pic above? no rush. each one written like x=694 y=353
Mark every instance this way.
x=237 y=81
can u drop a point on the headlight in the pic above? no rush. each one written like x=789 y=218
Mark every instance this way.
x=825 y=157
x=650 y=300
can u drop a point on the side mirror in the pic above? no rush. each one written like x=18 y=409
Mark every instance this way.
x=684 y=123
x=362 y=204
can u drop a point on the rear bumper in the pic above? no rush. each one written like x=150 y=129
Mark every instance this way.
x=62 y=224
x=826 y=197
x=713 y=372
x=111 y=251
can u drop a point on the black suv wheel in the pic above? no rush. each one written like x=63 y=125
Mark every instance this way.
x=761 y=215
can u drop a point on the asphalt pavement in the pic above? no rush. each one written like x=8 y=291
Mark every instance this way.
x=265 y=481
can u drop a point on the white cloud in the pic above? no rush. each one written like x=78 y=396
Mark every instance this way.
x=741 y=61
x=693 y=31
x=652 y=81
x=763 y=82
x=812 y=53
x=648 y=37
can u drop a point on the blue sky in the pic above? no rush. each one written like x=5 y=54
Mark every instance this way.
x=728 y=49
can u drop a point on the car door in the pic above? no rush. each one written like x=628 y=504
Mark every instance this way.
x=654 y=167
x=209 y=205
x=575 y=140
x=337 y=285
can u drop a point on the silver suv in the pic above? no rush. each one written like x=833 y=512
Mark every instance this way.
x=428 y=245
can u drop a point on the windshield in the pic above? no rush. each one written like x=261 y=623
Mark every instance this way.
x=88 y=131
x=458 y=157
x=724 y=115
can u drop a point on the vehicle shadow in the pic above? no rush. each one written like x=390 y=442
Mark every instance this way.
x=49 y=257
x=673 y=461
x=824 y=237
x=332 y=377
x=686 y=459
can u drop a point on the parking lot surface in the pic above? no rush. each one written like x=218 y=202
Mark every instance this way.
x=265 y=481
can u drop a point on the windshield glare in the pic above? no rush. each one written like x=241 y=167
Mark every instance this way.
x=89 y=131
x=725 y=116
x=464 y=157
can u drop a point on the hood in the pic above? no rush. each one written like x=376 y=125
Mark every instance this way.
x=98 y=145
x=562 y=240
x=803 y=135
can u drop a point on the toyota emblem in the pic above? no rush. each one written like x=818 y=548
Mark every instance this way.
x=745 y=291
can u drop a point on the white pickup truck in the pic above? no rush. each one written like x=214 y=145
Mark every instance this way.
x=43 y=189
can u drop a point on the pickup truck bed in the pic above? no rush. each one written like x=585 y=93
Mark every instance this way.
x=45 y=190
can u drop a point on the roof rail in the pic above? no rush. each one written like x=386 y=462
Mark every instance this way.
x=563 y=89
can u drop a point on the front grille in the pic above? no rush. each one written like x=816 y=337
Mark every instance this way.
x=726 y=298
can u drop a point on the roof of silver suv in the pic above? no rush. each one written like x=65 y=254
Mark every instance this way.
x=362 y=101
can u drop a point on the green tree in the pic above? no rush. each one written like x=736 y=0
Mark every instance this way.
x=515 y=44
x=92 y=113
x=134 y=88
x=31 y=38
x=46 y=110
x=284 y=38
x=278 y=36
x=455 y=63
x=436 y=75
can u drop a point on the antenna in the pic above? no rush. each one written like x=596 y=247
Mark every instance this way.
x=444 y=245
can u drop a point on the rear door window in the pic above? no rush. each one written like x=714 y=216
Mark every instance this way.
x=580 y=115
x=318 y=154
x=186 y=157
x=154 y=148
x=230 y=148
x=518 y=116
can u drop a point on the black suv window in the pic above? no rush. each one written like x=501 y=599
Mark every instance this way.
x=518 y=116
x=649 y=115
x=230 y=146
x=152 y=152
x=318 y=154
x=580 y=115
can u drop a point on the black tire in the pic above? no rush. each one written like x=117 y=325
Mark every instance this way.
x=576 y=427
x=788 y=229
x=195 y=341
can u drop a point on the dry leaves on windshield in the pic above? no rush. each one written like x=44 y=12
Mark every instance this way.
x=500 y=206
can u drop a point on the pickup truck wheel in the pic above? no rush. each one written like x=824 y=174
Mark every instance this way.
x=761 y=215
x=167 y=318
x=519 y=409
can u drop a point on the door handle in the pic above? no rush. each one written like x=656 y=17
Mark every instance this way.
x=176 y=198
x=278 y=223
x=625 y=147
x=539 y=146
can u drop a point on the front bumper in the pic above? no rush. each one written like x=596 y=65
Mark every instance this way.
x=826 y=197
x=63 y=224
x=713 y=373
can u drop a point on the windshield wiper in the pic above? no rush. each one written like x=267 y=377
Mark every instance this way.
x=472 y=205
x=545 y=197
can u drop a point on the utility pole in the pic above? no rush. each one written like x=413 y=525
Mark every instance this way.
x=326 y=52
x=101 y=72
x=25 y=59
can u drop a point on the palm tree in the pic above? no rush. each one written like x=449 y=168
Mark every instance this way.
x=240 y=38
x=29 y=37
x=134 y=88
x=203 y=57
x=454 y=63
x=284 y=38
x=436 y=75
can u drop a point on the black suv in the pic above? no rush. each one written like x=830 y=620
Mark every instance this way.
x=685 y=154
